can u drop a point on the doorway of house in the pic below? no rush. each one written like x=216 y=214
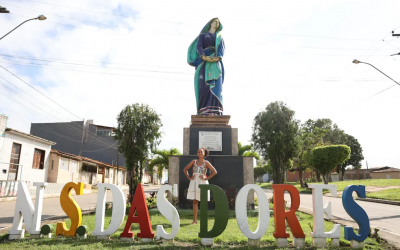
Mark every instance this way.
x=14 y=160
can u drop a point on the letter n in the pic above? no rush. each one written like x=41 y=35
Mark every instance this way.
x=24 y=210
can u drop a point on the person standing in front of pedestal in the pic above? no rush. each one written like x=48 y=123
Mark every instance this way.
x=198 y=177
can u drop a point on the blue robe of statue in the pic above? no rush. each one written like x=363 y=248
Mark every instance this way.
x=209 y=77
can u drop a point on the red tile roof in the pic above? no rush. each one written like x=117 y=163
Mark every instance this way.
x=81 y=158
x=388 y=169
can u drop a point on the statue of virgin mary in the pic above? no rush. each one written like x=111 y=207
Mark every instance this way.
x=205 y=54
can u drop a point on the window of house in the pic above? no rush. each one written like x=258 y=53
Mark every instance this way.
x=107 y=173
x=64 y=164
x=52 y=164
x=89 y=168
x=38 y=159
x=104 y=132
x=388 y=176
x=14 y=160
x=74 y=166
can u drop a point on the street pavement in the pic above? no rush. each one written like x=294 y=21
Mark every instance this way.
x=52 y=207
x=383 y=216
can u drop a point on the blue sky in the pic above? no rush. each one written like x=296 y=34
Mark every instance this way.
x=296 y=52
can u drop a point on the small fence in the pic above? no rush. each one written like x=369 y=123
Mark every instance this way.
x=10 y=189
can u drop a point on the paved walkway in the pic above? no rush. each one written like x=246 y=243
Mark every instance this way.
x=52 y=207
x=382 y=216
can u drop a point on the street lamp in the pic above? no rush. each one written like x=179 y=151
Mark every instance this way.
x=41 y=18
x=4 y=10
x=355 y=61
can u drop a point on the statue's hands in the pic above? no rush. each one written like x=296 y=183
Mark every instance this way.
x=215 y=59
x=210 y=58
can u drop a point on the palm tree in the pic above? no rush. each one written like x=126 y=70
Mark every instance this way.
x=247 y=150
x=161 y=160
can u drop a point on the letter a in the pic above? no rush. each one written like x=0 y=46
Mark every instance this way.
x=71 y=208
x=139 y=205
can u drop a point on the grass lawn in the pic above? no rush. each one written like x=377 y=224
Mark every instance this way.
x=341 y=185
x=187 y=237
x=392 y=194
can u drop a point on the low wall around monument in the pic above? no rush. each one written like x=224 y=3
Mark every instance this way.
x=233 y=172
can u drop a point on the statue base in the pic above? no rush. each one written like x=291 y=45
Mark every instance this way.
x=234 y=171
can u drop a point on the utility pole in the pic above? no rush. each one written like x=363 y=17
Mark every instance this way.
x=117 y=165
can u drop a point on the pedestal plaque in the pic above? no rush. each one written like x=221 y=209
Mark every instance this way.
x=211 y=140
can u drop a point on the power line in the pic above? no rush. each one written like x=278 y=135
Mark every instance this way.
x=30 y=96
x=370 y=97
x=101 y=73
x=109 y=25
x=322 y=37
x=40 y=92
x=98 y=62
x=105 y=12
x=71 y=131
x=94 y=66
x=100 y=149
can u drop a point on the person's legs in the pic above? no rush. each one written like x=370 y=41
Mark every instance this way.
x=195 y=209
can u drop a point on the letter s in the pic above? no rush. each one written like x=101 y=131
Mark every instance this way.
x=356 y=212
x=168 y=211
x=71 y=208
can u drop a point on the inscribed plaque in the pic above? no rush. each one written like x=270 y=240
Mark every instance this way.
x=211 y=140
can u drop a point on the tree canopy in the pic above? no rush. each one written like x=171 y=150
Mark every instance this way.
x=161 y=159
x=356 y=156
x=247 y=150
x=275 y=135
x=138 y=133
x=332 y=134
x=327 y=158
x=258 y=172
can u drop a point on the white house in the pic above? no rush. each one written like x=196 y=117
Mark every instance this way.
x=23 y=156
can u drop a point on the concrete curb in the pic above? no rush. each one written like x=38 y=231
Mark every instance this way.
x=53 y=219
x=390 y=237
x=44 y=197
x=380 y=201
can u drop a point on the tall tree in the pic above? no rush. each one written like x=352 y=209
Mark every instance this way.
x=332 y=134
x=275 y=136
x=161 y=159
x=258 y=172
x=247 y=150
x=327 y=158
x=356 y=156
x=138 y=132
x=308 y=139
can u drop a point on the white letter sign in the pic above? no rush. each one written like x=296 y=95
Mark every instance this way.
x=24 y=210
x=168 y=211
x=241 y=212
x=319 y=209
x=118 y=209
